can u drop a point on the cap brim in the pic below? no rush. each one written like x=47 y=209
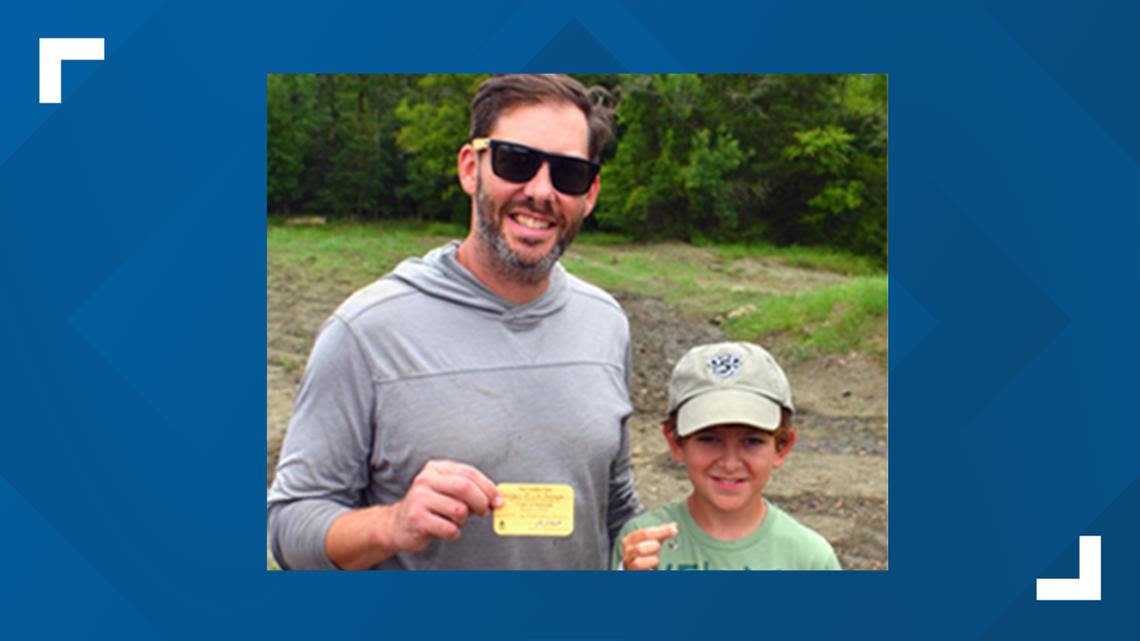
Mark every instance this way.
x=727 y=407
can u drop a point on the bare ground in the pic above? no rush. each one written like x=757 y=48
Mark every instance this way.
x=835 y=481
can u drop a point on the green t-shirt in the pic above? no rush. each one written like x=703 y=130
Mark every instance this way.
x=780 y=543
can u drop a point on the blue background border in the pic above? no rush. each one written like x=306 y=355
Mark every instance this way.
x=134 y=260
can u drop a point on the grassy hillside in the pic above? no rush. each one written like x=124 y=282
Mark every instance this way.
x=810 y=300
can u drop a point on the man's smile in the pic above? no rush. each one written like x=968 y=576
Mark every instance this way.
x=530 y=221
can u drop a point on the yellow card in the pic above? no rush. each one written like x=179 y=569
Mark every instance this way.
x=535 y=509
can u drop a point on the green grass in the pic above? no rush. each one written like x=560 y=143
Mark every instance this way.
x=836 y=319
x=834 y=314
x=601 y=238
x=638 y=269
x=807 y=257
x=352 y=249
x=290 y=365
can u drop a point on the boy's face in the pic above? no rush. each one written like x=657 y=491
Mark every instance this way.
x=729 y=465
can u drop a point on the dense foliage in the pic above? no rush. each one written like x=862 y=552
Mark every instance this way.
x=786 y=159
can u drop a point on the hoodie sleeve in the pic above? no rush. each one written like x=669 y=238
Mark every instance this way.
x=623 y=501
x=323 y=470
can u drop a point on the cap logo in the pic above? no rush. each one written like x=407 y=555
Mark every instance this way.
x=723 y=366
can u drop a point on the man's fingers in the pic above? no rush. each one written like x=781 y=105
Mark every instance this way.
x=461 y=482
x=461 y=487
x=421 y=517
x=433 y=526
x=439 y=501
x=484 y=484
x=445 y=506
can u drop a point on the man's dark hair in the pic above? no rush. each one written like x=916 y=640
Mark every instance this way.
x=500 y=93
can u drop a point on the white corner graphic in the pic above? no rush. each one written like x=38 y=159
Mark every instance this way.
x=53 y=51
x=1086 y=587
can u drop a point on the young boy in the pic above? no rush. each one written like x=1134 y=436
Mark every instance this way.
x=729 y=422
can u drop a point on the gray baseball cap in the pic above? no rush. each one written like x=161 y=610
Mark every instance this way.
x=728 y=383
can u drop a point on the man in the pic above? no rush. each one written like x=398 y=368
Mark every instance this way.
x=483 y=362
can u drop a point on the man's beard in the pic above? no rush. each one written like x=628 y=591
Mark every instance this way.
x=506 y=261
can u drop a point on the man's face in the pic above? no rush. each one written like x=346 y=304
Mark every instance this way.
x=729 y=465
x=527 y=226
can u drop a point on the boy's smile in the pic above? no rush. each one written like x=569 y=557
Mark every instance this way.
x=727 y=484
x=729 y=465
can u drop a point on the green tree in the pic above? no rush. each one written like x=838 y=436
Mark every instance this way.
x=707 y=180
x=435 y=121
x=782 y=158
x=289 y=117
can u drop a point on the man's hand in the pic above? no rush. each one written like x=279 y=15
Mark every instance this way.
x=436 y=506
x=641 y=549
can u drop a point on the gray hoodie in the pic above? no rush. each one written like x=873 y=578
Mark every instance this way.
x=427 y=363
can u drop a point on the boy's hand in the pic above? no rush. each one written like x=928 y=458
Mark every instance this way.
x=641 y=549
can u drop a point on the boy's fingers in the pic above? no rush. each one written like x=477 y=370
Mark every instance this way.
x=655 y=533
x=643 y=563
x=647 y=548
x=641 y=549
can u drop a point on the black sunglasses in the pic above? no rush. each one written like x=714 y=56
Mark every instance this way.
x=518 y=164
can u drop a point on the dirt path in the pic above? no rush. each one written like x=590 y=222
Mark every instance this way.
x=835 y=481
